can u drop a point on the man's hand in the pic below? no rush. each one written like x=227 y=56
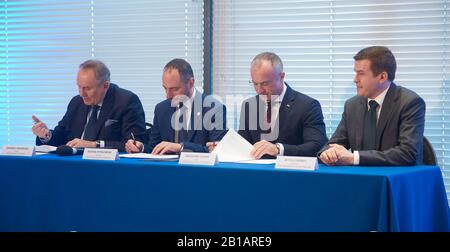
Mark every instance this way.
x=337 y=155
x=81 y=143
x=166 y=147
x=133 y=146
x=211 y=146
x=263 y=147
x=39 y=128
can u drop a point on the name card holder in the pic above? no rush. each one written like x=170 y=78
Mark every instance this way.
x=101 y=154
x=297 y=163
x=25 y=151
x=195 y=158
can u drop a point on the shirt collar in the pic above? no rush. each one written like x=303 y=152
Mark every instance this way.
x=380 y=98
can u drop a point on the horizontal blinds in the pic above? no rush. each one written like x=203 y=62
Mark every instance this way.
x=317 y=40
x=43 y=42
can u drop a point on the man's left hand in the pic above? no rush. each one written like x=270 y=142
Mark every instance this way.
x=166 y=148
x=264 y=147
x=345 y=157
x=81 y=143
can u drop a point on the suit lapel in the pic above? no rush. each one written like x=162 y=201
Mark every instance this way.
x=285 y=108
x=386 y=112
x=196 y=116
x=80 y=121
x=107 y=105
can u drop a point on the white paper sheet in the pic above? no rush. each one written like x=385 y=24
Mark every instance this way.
x=259 y=161
x=148 y=156
x=233 y=148
x=45 y=148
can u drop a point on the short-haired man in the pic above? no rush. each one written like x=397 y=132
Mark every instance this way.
x=186 y=120
x=384 y=123
x=102 y=115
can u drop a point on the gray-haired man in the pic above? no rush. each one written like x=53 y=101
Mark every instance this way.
x=102 y=115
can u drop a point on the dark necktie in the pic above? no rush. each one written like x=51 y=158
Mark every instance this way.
x=90 y=132
x=370 y=127
x=179 y=119
x=269 y=111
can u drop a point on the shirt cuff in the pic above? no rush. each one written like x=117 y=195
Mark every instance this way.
x=281 y=147
x=102 y=144
x=356 y=158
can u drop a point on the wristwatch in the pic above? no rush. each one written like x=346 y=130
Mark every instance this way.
x=97 y=144
x=278 y=148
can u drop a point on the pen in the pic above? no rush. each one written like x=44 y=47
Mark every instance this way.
x=134 y=139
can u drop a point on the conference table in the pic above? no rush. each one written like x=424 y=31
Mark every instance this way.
x=56 y=193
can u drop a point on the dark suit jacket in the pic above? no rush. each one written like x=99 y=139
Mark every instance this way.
x=300 y=123
x=200 y=132
x=399 y=129
x=121 y=113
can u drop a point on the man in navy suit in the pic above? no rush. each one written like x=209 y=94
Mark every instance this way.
x=102 y=115
x=186 y=120
x=280 y=120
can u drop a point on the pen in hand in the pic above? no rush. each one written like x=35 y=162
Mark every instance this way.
x=134 y=139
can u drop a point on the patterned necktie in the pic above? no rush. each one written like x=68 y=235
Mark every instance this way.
x=90 y=132
x=370 y=127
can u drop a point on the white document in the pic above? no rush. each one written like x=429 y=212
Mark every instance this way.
x=45 y=148
x=233 y=148
x=148 y=156
x=259 y=161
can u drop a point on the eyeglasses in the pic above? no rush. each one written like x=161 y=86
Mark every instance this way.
x=262 y=84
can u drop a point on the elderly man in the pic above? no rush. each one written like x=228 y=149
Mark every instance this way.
x=102 y=115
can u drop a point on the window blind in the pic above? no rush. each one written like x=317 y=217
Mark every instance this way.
x=317 y=41
x=43 y=42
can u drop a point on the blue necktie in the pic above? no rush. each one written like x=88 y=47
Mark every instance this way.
x=90 y=132
x=370 y=127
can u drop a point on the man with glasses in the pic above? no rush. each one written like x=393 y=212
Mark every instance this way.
x=279 y=120
x=102 y=115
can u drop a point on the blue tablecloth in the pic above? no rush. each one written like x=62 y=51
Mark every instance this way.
x=52 y=193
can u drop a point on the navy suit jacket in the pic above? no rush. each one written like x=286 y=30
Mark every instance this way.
x=399 y=129
x=121 y=113
x=200 y=132
x=300 y=123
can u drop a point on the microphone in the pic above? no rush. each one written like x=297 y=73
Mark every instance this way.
x=65 y=150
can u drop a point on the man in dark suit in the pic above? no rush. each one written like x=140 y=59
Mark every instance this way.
x=186 y=120
x=102 y=115
x=280 y=120
x=384 y=123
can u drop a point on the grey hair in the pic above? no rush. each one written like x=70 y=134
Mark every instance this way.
x=274 y=59
x=101 y=71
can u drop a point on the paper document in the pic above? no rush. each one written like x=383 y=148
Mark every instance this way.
x=149 y=156
x=45 y=148
x=260 y=161
x=233 y=148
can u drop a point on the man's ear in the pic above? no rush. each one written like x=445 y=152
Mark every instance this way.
x=383 y=77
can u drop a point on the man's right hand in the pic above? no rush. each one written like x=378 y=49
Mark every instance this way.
x=211 y=146
x=133 y=146
x=39 y=128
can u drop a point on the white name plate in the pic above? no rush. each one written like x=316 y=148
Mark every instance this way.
x=297 y=163
x=196 y=158
x=26 y=151
x=100 y=154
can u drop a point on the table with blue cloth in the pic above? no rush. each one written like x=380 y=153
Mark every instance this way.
x=54 y=193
